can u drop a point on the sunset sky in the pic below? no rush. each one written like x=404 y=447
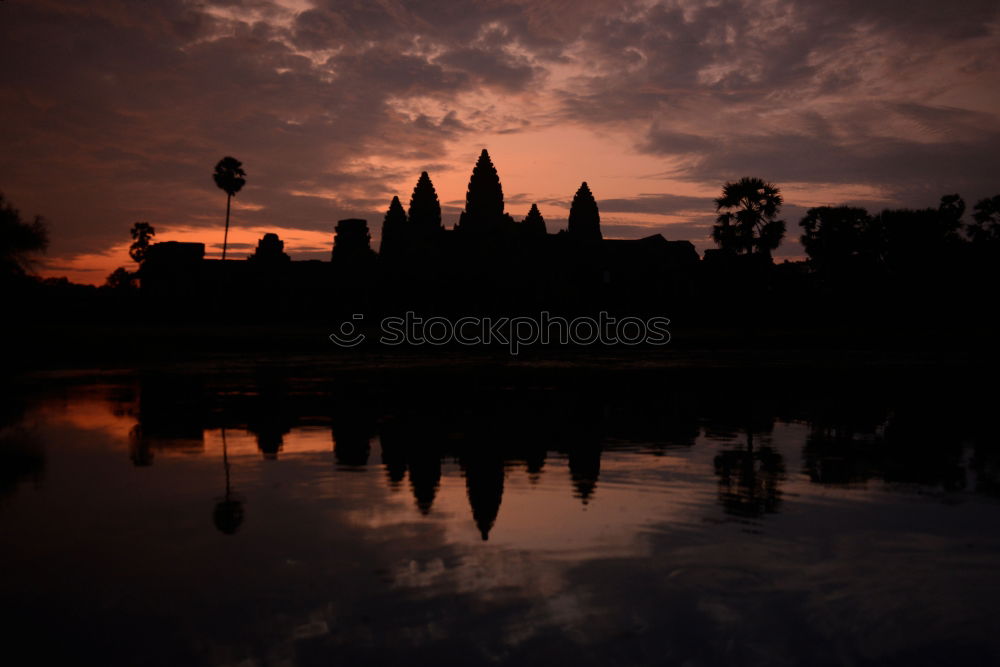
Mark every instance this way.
x=116 y=111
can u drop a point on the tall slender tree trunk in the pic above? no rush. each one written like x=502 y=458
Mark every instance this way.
x=225 y=460
x=225 y=238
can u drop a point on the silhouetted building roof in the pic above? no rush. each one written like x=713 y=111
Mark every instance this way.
x=175 y=252
x=534 y=223
x=270 y=248
x=351 y=239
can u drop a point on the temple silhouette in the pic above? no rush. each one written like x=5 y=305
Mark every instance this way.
x=488 y=261
x=903 y=280
x=867 y=276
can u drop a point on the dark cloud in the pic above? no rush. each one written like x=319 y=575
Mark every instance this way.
x=662 y=204
x=138 y=110
x=805 y=92
x=116 y=110
x=902 y=168
x=377 y=72
x=660 y=139
x=491 y=68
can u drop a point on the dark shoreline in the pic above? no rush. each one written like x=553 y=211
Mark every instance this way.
x=53 y=351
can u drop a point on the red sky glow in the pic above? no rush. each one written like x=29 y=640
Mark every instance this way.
x=116 y=111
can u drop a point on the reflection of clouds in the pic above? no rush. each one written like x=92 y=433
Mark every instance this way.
x=887 y=581
x=647 y=570
x=91 y=410
x=528 y=581
x=486 y=573
x=419 y=575
x=860 y=594
x=299 y=440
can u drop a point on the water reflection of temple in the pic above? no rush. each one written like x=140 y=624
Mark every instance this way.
x=750 y=481
x=484 y=478
x=353 y=430
x=413 y=446
x=489 y=432
x=171 y=417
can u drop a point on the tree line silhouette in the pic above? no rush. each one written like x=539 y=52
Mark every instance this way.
x=861 y=265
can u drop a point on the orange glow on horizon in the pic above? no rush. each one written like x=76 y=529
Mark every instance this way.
x=528 y=175
x=93 y=268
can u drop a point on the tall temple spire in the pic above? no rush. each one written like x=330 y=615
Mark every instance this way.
x=484 y=198
x=393 y=228
x=534 y=223
x=425 y=209
x=584 y=218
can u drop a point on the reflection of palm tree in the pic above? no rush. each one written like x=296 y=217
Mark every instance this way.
x=749 y=479
x=839 y=455
x=228 y=515
x=230 y=178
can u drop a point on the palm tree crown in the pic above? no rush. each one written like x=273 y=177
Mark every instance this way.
x=229 y=175
x=747 y=211
x=20 y=240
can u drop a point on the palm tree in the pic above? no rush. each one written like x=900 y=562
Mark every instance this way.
x=747 y=211
x=230 y=177
x=20 y=240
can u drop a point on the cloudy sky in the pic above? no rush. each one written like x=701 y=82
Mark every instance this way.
x=116 y=111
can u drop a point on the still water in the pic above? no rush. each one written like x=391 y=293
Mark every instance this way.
x=273 y=519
